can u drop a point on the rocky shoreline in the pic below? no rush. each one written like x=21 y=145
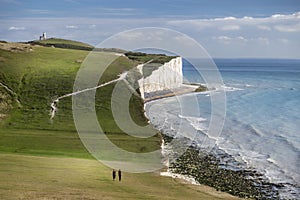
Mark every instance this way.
x=184 y=89
x=210 y=169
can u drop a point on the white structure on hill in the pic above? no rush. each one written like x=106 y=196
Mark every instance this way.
x=43 y=37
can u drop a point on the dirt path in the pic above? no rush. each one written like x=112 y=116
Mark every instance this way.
x=55 y=102
x=12 y=93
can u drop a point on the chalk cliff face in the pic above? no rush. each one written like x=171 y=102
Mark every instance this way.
x=165 y=77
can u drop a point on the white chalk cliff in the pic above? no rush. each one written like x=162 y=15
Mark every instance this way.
x=166 y=77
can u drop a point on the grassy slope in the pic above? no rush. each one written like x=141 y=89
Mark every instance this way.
x=37 y=77
x=62 y=43
x=33 y=177
x=45 y=73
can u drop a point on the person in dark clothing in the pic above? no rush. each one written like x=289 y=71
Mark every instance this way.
x=114 y=174
x=120 y=174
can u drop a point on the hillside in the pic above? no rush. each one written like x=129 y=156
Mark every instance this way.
x=62 y=43
x=36 y=77
x=44 y=159
x=70 y=44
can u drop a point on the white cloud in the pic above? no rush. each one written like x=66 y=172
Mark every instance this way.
x=16 y=28
x=230 y=28
x=284 y=41
x=247 y=18
x=197 y=24
x=264 y=27
x=224 y=19
x=184 y=40
x=290 y=16
x=262 y=40
x=283 y=23
x=288 y=28
x=278 y=16
x=228 y=40
x=71 y=27
x=241 y=38
x=258 y=19
x=92 y=26
x=223 y=39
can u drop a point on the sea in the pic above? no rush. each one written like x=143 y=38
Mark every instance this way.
x=262 y=123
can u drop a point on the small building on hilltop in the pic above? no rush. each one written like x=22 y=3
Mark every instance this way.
x=43 y=37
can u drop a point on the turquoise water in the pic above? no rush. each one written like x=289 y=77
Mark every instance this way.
x=262 y=123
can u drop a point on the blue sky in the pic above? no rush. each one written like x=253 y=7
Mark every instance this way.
x=225 y=28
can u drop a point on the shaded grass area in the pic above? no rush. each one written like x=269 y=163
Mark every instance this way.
x=42 y=143
x=62 y=143
x=34 y=177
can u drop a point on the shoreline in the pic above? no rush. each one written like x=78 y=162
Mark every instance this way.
x=198 y=167
x=184 y=89
x=204 y=168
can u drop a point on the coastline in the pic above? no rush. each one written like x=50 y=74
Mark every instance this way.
x=185 y=89
x=198 y=167
x=206 y=168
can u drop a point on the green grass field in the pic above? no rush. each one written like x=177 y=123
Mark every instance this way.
x=35 y=177
x=44 y=159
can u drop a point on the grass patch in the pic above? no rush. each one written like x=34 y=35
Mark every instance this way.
x=42 y=143
x=201 y=88
x=63 y=143
x=143 y=57
x=34 y=177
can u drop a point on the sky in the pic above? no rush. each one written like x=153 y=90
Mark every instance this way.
x=225 y=28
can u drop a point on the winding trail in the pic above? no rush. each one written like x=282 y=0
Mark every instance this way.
x=15 y=96
x=55 y=102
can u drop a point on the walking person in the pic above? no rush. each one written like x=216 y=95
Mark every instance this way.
x=120 y=174
x=114 y=174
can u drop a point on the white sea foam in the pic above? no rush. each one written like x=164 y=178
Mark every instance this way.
x=240 y=84
x=272 y=161
x=165 y=153
x=188 y=179
x=229 y=89
x=198 y=119
x=196 y=122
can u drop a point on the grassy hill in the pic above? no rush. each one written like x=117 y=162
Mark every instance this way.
x=70 y=44
x=62 y=43
x=39 y=76
x=44 y=159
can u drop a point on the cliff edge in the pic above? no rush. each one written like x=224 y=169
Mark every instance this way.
x=159 y=81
